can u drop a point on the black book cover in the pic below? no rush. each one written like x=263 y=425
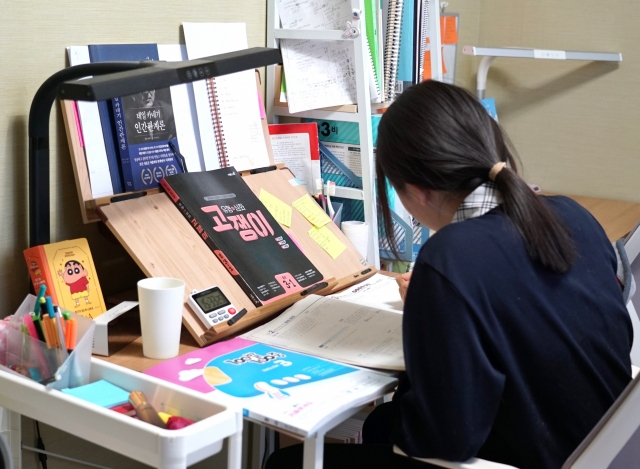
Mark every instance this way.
x=242 y=233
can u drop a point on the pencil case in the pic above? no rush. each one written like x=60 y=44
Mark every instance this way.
x=53 y=367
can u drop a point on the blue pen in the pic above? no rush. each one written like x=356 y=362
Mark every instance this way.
x=41 y=291
x=50 y=310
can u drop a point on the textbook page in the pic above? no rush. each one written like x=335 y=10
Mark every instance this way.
x=337 y=330
x=246 y=147
x=379 y=291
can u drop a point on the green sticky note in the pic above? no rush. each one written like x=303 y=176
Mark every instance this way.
x=102 y=393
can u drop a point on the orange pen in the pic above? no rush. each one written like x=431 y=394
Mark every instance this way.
x=46 y=330
x=72 y=332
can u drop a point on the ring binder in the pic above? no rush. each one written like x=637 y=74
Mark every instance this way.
x=216 y=118
x=392 y=47
x=422 y=37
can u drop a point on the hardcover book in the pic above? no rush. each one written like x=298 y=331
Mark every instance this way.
x=67 y=270
x=289 y=390
x=243 y=235
x=145 y=129
x=138 y=127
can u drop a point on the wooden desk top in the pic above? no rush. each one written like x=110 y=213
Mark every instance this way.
x=617 y=218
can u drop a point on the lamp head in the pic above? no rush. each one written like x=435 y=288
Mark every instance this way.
x=165 y=74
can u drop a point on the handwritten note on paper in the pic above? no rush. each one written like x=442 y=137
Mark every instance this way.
x=280 y=211
x=310 y=209
x=314 y=14
x=241 y=123
x=319 y=73
x=327 y=241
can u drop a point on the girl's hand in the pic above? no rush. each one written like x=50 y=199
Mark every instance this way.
x=403 y=284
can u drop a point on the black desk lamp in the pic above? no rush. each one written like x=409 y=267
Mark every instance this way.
x=111 y=80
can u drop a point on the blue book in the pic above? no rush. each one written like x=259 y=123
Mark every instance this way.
x=406 y=54
x=138 y=128
x=112 y=53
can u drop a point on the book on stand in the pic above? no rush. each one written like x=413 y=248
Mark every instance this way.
x=257 y=252
x=68 y=271
x=146 y=130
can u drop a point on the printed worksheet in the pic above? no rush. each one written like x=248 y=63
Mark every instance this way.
x=379 y=291
x=337 y=330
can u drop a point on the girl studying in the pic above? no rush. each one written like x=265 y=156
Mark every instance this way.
x=516 y=336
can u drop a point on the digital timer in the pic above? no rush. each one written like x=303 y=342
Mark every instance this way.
x=212 y=306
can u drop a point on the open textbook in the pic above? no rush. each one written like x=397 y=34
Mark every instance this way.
x=295 y=392
x=288 y=380
x=345 y=330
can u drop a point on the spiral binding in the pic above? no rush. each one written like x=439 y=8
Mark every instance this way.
x=392 y=47
x=424 y=34
x=216 y=118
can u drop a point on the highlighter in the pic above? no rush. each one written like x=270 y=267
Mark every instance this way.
x=145 y=410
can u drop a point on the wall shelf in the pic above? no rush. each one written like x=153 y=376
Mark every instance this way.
x=489 y=54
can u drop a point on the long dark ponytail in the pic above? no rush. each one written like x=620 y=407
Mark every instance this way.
x=439 y=137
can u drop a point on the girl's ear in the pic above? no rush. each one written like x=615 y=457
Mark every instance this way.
x=419 y=194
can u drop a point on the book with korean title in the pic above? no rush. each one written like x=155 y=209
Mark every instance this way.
x=138 y=127
x=68 y=271
x=253 y=247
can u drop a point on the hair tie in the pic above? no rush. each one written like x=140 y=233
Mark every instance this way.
x=495 y=169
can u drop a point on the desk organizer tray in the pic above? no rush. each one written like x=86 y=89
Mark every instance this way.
x=126 y=435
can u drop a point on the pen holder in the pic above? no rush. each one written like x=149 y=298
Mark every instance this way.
x=53 y=367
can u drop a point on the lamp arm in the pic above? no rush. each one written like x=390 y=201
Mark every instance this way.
x=483 y=70
x=39 y=115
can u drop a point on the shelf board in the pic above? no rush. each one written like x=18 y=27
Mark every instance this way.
x=524 y=53
x=317 y=35
x=318 y=114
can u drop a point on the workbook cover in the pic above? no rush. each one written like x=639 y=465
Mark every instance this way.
x=242 y=234
x=67 y=270
x=286 y=389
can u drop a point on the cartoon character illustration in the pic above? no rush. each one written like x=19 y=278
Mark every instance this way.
x=75 y=276
x=33 y=267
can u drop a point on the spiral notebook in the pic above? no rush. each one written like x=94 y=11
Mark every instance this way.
x=392 y=47
x=230 y=112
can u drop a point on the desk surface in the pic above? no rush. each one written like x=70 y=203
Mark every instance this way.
x=617 y=218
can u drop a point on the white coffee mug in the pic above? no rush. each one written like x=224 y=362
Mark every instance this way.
x=161 y=302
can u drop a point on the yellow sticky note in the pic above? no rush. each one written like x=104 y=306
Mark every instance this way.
x=310 y=209
x=280 y=211
x=327 y=241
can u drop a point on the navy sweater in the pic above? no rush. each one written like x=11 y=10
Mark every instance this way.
x=506 y=360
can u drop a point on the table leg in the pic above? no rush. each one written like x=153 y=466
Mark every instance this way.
x=234 y=454
x=313 y=452
x=11 y=429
